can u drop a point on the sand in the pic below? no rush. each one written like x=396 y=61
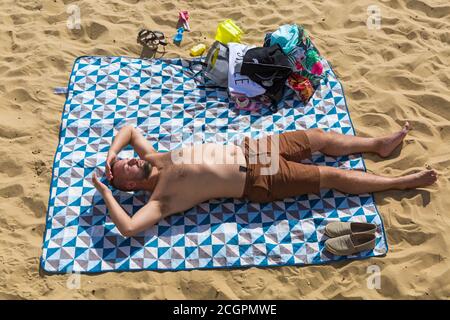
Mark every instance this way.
x=399 y=72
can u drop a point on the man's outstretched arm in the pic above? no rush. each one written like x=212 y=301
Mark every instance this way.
x=128 y=226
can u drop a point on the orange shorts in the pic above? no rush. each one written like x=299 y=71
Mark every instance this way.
x=273 y=168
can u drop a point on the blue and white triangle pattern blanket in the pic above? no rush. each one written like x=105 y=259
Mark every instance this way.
x=161 y=98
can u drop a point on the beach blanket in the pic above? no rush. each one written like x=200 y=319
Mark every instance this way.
x=162 y=99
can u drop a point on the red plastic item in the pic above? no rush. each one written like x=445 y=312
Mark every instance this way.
x=184 y=18
x=302 y=86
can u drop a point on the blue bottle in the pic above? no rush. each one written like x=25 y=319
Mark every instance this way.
x=178 y=37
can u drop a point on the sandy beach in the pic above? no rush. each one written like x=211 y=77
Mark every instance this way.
x=397 y=73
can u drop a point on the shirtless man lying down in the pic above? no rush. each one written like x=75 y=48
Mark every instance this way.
x=180 y=179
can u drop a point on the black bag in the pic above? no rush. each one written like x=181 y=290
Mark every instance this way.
x=269 y=67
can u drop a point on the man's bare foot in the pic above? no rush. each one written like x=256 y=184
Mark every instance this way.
x=389 y=143
x=418 y=180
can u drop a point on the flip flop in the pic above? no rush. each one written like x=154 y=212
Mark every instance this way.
x=146 y=38
x=160 y=36
x=151 y=38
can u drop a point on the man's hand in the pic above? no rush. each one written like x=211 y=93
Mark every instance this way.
x=109 y=161
x=100 y=186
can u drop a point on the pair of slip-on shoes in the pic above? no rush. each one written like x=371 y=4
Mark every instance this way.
x=348 y=238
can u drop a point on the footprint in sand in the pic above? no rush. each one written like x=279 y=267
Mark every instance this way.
x=11 y=133
x=95 y=30
x=36 y=205
x=432 y=12
x=10 y=168
x=40 y=167
x=11 y=191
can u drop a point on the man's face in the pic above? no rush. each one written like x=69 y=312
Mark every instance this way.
x=130 y=170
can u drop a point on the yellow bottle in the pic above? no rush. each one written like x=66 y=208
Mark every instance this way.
x=228 y=31
x=198 y=49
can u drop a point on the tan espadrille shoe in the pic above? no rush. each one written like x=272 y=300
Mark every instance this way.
x=350 y=244
x=337 y=229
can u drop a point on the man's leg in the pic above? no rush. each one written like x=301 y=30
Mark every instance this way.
x=335 y=144
x=356 y=182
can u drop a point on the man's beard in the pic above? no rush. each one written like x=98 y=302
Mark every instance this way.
x=147 y=169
